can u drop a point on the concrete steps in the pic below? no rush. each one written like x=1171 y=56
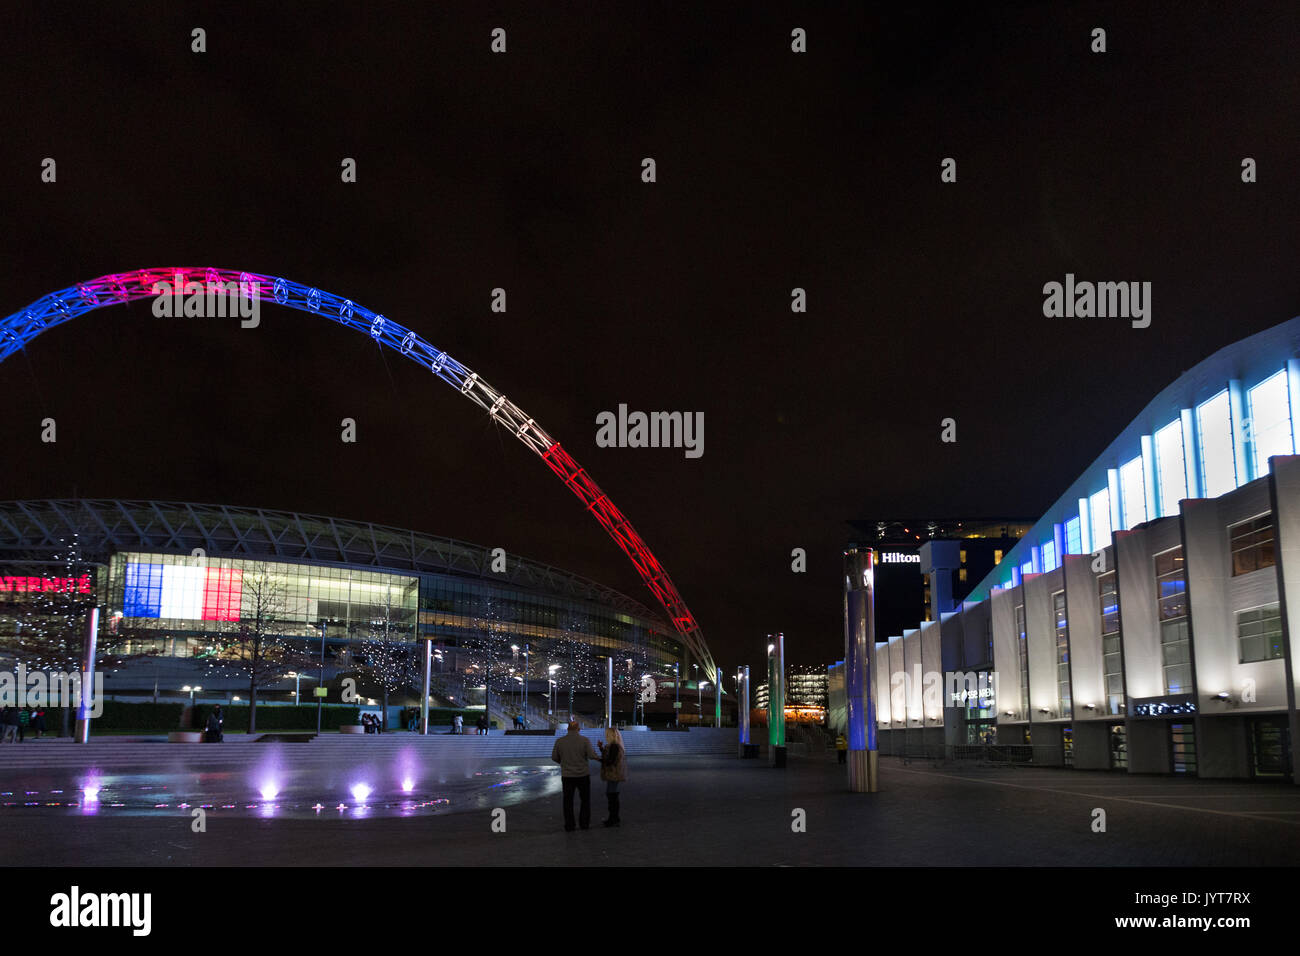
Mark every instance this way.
x=105 y=752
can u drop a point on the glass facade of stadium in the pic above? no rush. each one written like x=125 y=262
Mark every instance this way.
x=175 y=614
x=1150 y=621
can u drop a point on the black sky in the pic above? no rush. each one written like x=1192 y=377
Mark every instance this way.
x=522 y=171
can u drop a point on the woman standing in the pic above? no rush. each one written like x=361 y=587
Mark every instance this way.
x=613 y=770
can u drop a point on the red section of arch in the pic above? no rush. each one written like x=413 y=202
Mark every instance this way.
x=621 y=530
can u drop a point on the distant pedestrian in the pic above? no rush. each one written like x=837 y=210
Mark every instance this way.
x=842 y=748
x=213 y=734
x=24 y=715
x=483 y=724
x=572 y=752
x=10 y=722
x=38 y=722
x=613 y=770
x=460 y=724
x=519 y=722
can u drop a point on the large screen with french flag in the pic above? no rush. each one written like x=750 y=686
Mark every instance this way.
x=182 y=592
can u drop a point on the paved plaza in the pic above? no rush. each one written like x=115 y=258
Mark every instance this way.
x=692 y=810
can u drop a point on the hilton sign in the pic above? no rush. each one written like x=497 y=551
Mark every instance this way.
x=899 y=557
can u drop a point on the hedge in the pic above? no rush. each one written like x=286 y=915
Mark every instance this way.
x=124 y=715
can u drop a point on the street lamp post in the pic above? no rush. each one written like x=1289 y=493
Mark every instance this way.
x=525 y=687
x=319 y=699
x=677 y=696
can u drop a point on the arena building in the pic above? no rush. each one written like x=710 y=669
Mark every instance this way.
x=1150 y=621
x=182 y=587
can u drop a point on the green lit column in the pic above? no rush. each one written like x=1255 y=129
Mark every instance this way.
x=776 y=700
x=717 y=698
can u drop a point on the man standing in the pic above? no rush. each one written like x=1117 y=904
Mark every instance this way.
x=572 y=752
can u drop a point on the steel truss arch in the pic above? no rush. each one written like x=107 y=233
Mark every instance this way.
x=122 y=287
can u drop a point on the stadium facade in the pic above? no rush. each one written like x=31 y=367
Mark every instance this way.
x=1150 y=620
x=177 y=583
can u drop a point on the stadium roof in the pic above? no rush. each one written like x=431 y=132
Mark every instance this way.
x=39 y=529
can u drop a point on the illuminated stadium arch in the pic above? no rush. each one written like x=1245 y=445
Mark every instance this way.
x=121 y=287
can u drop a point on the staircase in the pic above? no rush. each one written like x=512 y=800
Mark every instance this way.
x=155 y=755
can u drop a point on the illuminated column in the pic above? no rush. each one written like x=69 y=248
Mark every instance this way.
x=609 y=691
x=776 y=700
x=87 y=701
x=859 y=682
x=742 y=716
x=424 y=697
x=717 y=698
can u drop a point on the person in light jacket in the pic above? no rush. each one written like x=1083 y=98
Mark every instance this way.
x=613 y=770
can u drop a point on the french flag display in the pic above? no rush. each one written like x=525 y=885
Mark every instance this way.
x=182 y=592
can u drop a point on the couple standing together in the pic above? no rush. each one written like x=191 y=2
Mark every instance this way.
x=572 y=752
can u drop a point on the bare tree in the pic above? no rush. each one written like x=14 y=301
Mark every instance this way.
x=257 y=650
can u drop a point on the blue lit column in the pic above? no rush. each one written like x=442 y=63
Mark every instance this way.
x=776 y=700
x=746 y=748
x=859 y=682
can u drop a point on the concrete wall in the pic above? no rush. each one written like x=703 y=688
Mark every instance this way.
x=1148 y=746
x=880 y=671
x=1285 y=480
x=1222 y=747
x=1084 y=616
x=1040 y=625
x=1092 y=745
x=1215 y=597
x=1143 y=674
x=931 y=665
x=1005 y=655
x=897 y=684
x=914 y=673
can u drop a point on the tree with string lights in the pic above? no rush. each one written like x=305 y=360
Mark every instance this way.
x=392 y=664
x=49 y=625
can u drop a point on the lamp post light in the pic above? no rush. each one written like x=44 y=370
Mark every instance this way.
x=297 y=686
x=677 y=696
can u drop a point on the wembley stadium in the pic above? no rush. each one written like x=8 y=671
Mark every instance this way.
x=185 y=590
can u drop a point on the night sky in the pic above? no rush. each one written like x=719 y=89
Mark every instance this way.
x=523 y=171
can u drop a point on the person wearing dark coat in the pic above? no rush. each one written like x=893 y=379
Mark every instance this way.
x=213 y=735
x=10 y=724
